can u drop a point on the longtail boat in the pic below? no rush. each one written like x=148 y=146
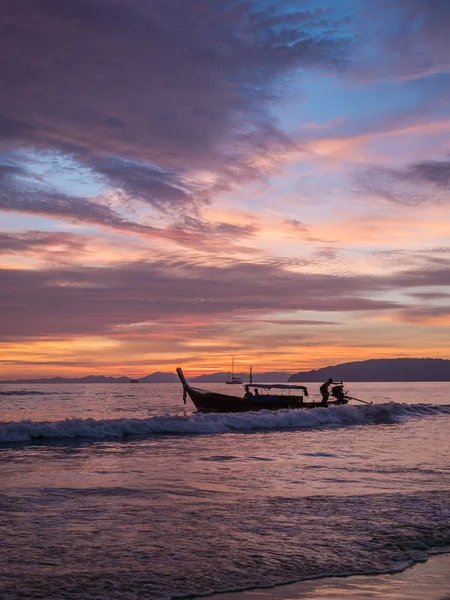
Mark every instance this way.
x=274 y=397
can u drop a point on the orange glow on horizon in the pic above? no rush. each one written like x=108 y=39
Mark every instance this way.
x=70 y=358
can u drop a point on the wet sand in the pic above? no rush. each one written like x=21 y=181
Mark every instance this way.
x=423 y=581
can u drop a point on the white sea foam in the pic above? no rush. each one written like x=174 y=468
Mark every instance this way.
x=214 y=423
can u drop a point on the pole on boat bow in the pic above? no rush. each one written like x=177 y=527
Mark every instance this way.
x=184 y=382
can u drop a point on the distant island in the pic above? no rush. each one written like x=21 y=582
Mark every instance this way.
x=380 y=369
x=159 y=377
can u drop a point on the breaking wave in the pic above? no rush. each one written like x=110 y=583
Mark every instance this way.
x=215 y=423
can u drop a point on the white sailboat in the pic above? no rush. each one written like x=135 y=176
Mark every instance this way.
x=232 y=380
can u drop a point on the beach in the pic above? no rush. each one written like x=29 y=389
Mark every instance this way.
x=423 y=581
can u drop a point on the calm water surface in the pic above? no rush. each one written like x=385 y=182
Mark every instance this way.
x=121 y=491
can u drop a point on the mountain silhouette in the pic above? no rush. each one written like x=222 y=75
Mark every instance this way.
x=381 y=369
x=377 y=369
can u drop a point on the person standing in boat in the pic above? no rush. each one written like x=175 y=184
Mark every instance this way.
x=324 y=390
x=248 y=393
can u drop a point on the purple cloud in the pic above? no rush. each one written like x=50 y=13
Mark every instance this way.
x=144 y=182
x=65 y=301
x=163 y=81
x=421 y=278
x=406 y=39
x=145 y=93
x=22 y=191
x=415 y=184
x=433 y=172
x=40 y=242
x=427 y=296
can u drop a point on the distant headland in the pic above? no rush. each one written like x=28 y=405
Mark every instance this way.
x=380 y=369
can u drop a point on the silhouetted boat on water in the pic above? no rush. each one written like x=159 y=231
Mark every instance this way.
x=233 y=380
x=275 y=397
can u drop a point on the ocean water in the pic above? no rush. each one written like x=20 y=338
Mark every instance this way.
x=122 y=491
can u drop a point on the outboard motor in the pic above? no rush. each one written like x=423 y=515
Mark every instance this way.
x=338 y=392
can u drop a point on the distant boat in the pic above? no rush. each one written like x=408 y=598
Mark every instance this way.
x=233 y=380
x=134 y=380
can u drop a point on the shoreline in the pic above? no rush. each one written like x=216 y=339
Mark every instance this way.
x=427 y=580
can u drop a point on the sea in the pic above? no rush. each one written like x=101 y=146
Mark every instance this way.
x=120 y=491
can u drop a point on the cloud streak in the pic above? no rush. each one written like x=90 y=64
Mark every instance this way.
x=22 y=191
x=426 y=182
x=77 y=301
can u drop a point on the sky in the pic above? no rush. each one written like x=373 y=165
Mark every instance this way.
x=183 y=182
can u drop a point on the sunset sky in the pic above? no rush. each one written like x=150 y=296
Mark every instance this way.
x=187 y=180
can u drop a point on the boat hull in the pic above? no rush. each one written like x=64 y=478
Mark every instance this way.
x=206 y=401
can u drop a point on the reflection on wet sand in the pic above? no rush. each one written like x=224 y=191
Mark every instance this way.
x=424 y=581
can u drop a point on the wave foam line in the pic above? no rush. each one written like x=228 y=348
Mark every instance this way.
x=340 y=416
x=419 y=410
